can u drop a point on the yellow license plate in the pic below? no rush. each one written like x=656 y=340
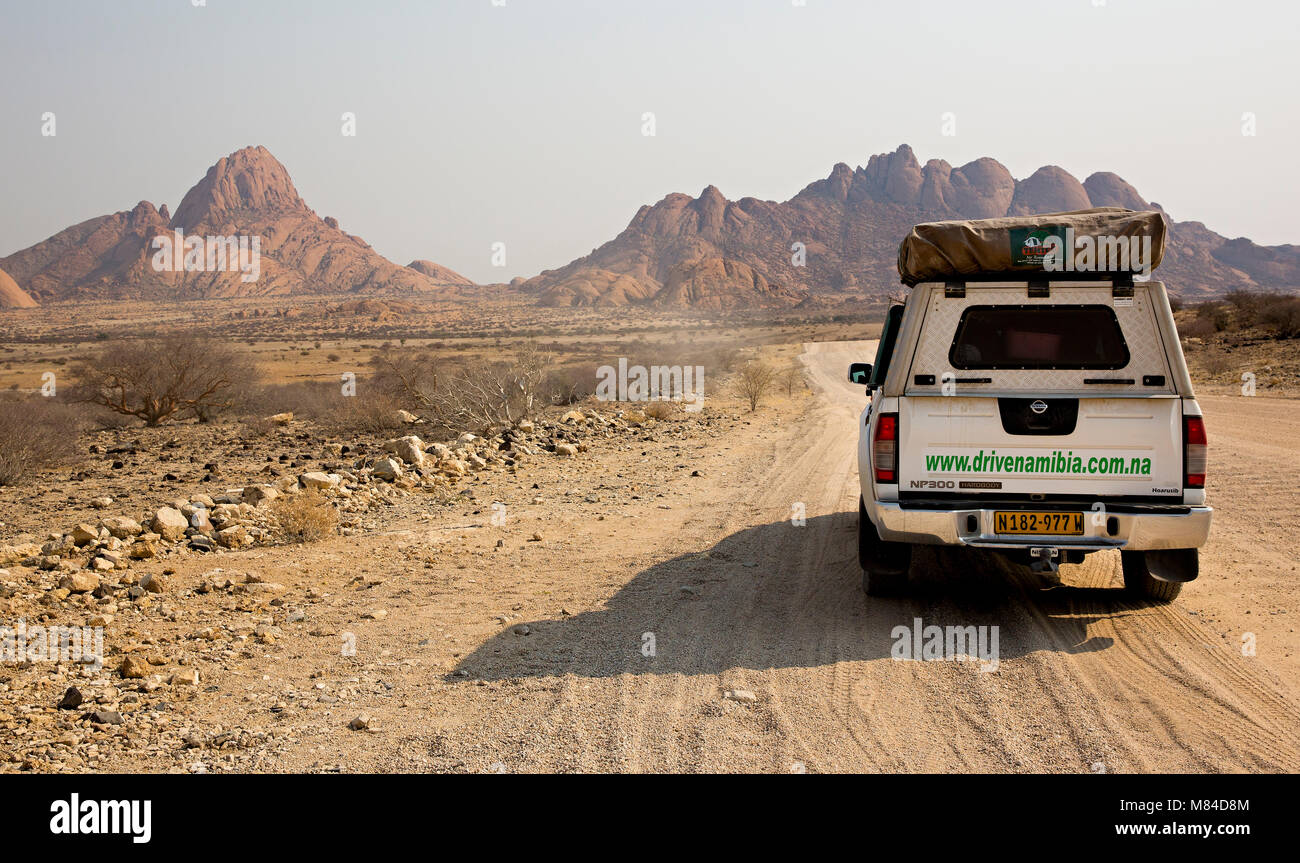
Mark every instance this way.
x=1049 y=523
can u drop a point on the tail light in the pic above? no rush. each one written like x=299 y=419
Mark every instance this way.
x=1195 y=452
x=884 y=449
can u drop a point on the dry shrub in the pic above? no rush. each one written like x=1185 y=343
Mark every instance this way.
x=304 y=517
x=754 y=380
x=35 y=434
x=460 y=396
x=1216 y=362
x=661 y=410
x=1198 y=328
x=1284 y=316
x=370 y=410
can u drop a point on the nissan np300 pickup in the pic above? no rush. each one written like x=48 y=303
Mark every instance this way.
x=1044 y=414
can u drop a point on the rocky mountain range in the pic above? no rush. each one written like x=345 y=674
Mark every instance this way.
x=715 y=253
x=244 y=195
x=838 y=238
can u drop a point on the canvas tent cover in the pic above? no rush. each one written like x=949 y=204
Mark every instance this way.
x=1105 y=239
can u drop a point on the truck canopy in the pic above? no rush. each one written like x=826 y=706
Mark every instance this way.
x=1096 y=243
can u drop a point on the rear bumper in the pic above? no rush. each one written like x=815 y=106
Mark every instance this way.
x=1147 y=529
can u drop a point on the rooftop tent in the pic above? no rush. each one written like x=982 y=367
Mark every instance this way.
x=1103 y=240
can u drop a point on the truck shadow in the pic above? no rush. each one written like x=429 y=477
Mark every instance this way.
x=780 y=596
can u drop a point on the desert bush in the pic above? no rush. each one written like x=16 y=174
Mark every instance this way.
x=792 y=378
x=1215 y=313
x=460 y=396
x=661 y=410
x=35 y=433
x=370 y=410
x=1283 y=315
x=754 y=380
x=160 y=378
x=1196 y=328
x=1216 y=363
x=304 y=517
x=570 y=384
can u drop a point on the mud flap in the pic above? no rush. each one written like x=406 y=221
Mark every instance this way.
x=1176 y=565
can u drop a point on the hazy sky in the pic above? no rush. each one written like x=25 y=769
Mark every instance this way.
x=522 y=122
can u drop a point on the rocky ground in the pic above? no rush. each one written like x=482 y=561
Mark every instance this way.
x=202 y=603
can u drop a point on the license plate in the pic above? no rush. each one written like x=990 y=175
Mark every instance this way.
x=1051 y=523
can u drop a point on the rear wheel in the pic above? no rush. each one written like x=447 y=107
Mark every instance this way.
x=1159 y=575
x=884 y=565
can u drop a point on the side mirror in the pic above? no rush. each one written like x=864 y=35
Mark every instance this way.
x=859 y=373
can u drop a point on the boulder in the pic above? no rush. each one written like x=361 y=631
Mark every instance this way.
x=84 y=534
x=155 y=583
x=319 y=480
x=409 y=449
x=169 y=523
x=387 y=469
x=234 y=537
x=80 y=582
x=123 y=527
x=259 y=494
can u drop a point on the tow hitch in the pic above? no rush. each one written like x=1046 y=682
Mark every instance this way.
x=1043 y=558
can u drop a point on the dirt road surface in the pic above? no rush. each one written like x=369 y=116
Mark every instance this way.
x=736 y=597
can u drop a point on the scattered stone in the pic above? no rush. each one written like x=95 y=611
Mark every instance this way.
x=122 y=527
x=80 y=582
x=387 y=469
x=318 y=480
x=71 y=699
x=134 y=667
x=185 y=677
x=360 y=723
x=742 y=695
x=169 y=524
x=155 y=583
x=84 y=534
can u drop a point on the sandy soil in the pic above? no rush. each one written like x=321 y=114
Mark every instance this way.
x=531 y=656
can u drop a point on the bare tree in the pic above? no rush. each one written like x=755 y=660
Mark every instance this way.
x=470 y=397
x=792 y=377
x=754 y=381
x=159 y=378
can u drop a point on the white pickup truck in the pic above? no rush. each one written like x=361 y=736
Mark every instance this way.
x=1043 y=418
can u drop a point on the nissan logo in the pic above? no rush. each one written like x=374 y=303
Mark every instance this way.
x=1039 y=407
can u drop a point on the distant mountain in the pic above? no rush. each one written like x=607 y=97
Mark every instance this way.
x=12 y=296
x=244 y=195
x=709 y=252
x=439 y=273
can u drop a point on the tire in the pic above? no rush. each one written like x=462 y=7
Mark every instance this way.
x=1139 y=580
x=884 y=565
